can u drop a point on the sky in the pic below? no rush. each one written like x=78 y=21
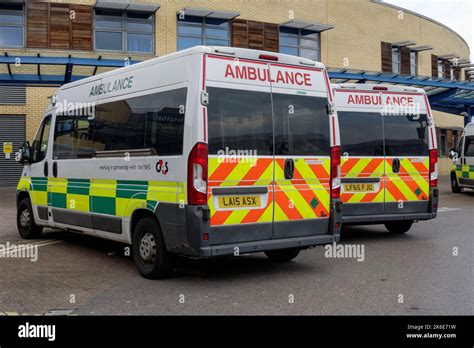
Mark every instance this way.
x=456 y=14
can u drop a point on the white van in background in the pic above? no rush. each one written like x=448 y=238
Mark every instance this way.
x=462 y=172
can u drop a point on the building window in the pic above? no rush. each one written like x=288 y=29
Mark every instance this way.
x=395 y=60
x=126 y=31
x=195 y=31
x=442 y=142
x=413 y=63
x=300 y=42
x=12 y=24
x=440 y=69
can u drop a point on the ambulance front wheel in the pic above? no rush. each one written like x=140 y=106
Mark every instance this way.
x=284 y=255
x=455 y=188
x=149 y=251
x=398 y=227
x=25 y=220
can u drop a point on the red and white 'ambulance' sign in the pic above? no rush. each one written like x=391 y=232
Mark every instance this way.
x=378 y=99
x=225 y=69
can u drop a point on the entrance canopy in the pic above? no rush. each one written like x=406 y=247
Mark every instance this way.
x=456 y=97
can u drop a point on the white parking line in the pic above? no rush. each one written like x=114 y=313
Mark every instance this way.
x=446 y=209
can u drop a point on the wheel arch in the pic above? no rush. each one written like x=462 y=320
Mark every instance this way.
x=139 y=214
x=22 y=195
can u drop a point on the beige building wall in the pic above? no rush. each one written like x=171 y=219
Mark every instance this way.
x=354 y=43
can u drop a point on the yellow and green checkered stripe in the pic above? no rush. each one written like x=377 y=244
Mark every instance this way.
x=465 y=171
x=102 y=196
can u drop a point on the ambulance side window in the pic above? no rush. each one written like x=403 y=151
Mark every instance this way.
x=406 y=135
x=301 y=125
x=361 y=133
x=239 y=121
x=72 y=138
x=469 y=147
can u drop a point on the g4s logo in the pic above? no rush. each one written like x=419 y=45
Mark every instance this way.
x=162 y=167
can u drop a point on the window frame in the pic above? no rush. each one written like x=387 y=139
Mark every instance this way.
x=15 y=24
x=123 y=30
x=299 y=37
x=396 y=52
x=203 y=26
x=414 y=60
x=440 y=69
x=443 y=142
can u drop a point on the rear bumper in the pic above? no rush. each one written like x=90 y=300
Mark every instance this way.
x=411 y=211
x=265 y=245
x=374 y=219
x=191 y=235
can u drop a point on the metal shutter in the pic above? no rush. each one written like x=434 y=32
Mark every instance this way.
x=12 y=95
x=12 y=129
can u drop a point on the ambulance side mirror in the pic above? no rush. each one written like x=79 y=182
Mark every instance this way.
x=24 y=153
x=453 y=154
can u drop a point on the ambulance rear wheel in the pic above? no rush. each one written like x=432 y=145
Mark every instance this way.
x=25 y=221
x=284 y=255
x=398 y=227
x=149 y=251
x=455 y=188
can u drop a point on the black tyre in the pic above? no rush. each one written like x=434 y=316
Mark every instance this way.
x=455 y=188
x=283 y=255
x=398 y=227
x=149 y=250
x=25 y=220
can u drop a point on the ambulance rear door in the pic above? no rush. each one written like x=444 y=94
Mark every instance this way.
x=362 y=151
x=302 y=150
x=407 y=152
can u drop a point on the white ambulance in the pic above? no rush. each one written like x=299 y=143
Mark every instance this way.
x=200 y=153
x=389 y=157
x=462 y=172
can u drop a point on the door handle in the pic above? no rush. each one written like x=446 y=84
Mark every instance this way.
x=55 y=169
x=45 y=169
x=396 y=165
x=289 y=168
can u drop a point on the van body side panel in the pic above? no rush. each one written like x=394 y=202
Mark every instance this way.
x=101 y=180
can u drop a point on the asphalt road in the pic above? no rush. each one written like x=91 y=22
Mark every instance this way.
x=415 y=273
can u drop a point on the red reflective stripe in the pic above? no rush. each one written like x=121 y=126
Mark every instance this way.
x=204 y=123
x=376 y=92
x=328 y=85
x=295 y=67
x=204 y=72
x=238 y=59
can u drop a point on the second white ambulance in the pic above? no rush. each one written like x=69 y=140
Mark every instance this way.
x=389 y=157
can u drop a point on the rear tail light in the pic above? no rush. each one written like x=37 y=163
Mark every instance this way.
x=197 y=175
x=377 y=88
x=268 y=57
x=434 y=168
x=335 y=172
